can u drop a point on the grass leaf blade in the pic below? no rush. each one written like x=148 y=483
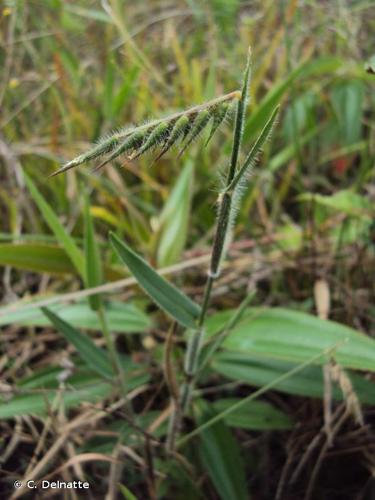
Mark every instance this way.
x=95 y=357
x=167 y=296
x=58 y=229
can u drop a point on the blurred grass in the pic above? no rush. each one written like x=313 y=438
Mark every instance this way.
x=74 y=70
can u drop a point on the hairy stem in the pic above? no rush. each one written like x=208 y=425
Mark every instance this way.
x=225 y=207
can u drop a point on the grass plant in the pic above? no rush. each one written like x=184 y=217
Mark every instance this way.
x=176 y=323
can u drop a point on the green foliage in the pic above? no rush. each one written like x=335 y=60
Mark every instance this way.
x=306 y=215
x=168 y=297
x=221 y=458
x=58 y=229
x=258 y=372
x=255 y=415
x=95 y=357
x=121 y=318
x=295 y=336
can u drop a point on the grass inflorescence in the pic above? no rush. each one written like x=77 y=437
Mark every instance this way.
x=183 y=127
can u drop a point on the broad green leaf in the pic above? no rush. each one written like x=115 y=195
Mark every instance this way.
x=308 y=382
x=94 y=275
x=221 y=458
x=295 y=336
x=121 y=318
x=58 y=229
x=254 y=415
x=95 y=357
x=174 y=219
x=167 y=296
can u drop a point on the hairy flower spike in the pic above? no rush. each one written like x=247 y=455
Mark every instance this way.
x=167 y=131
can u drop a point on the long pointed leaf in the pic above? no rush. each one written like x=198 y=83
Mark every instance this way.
x=167 y=296
x=95 y=357
x=55 y=225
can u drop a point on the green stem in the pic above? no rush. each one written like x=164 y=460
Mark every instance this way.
x=195 y=341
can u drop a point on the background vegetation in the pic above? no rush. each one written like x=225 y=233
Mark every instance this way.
x=303 y=248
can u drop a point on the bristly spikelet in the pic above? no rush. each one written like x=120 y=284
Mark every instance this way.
x=219 y=115
x=180 y=128
x=197 y=127
x=156 y=136
x=131 y=142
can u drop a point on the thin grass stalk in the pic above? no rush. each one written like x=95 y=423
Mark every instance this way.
x=223 y=222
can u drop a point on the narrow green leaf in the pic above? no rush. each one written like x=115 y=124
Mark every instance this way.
x=95 y=357
x=58 y=229
x=167 y=296
x=94 y=275
x=221 y=458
